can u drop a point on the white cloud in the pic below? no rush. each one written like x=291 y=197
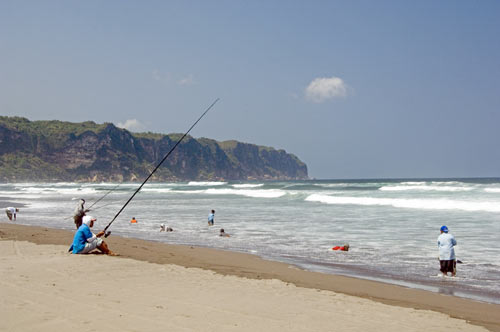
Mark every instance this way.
x=132 y=125
x=323 y=88
x=157 y=75
x=189 y=80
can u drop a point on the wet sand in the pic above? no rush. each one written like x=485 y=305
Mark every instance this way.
x=312 y=298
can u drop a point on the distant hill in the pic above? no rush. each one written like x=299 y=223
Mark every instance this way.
x=65 y=151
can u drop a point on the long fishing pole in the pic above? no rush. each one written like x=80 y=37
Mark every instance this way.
x=106 y=194
x=161 y=162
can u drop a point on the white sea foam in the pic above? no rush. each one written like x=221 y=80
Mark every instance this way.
x=424 y=188
x=331 y=185
x=55 y=191
x=492 y=190
x=157 y=190
x=247 y=185
x=269 y=193
x=427 y=204
x=207 y=183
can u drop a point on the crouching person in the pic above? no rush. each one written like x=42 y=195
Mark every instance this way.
x=85 y=241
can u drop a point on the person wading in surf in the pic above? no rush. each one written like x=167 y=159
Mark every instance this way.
x=447 y=260
x=79 y=213
x=211 y=217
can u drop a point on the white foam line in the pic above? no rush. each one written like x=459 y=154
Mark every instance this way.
x=270 y=193
x=428 y=204
x=195 y=183
x=247 y=185
x=424 y=188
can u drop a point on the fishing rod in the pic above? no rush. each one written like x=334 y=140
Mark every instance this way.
x=161 y=162
x=106 y=194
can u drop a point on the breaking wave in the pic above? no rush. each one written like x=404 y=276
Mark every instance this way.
x=270 y=193
x=427 y=204
x=247 y=185
x=424 y=188
x=206 y=183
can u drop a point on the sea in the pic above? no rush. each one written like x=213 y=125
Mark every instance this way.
x=391 y=225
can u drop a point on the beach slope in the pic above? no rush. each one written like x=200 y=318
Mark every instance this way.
x=195 y=289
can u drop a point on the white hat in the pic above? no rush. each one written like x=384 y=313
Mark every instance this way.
x=87 y=219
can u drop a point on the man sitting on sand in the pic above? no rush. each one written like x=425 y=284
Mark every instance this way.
x=85 y=241
x=11 y=212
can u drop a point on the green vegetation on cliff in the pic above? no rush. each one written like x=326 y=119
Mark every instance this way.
x=86 y=151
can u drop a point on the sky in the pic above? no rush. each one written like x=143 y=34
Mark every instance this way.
x=355 y=89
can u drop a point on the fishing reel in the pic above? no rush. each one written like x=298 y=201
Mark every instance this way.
x=108 y=233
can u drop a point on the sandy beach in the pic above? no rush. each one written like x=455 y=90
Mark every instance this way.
x=154 y=286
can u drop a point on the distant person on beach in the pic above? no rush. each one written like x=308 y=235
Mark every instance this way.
x=345 y=247
x=447 y=260
x=224 y=234
x=164 y=228
x=133 y=221
x=79 y=213
x=11 y=212
x=211 y=217
x=85 y=241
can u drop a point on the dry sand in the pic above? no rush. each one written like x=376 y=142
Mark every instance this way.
x=155 y=286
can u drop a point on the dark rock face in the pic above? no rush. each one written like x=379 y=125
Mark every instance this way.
x=34 y=151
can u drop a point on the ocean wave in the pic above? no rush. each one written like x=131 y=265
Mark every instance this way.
x=269 y=193
x=62 y=191
x=427 y=204
x=424 y=188
x=247 y=185
x=206 y=183
x=157 y=190
x=492 y=190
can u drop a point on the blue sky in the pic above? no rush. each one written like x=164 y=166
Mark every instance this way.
x=355 y=89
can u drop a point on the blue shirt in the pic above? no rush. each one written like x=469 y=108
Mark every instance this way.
x=82 y=234
x=446 y=242
x=211 y=217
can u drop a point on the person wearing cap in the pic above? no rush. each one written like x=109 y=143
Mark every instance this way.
x=11 y=212
x=447 y=260
x=85 y=241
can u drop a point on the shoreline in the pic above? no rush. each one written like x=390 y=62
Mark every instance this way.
x=249 y=266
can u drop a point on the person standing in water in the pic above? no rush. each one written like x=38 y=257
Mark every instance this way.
x=79 y=213
x=211 y=217
x=447 y=259
x=11 y=212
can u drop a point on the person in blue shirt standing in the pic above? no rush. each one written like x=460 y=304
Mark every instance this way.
x=211 y=217
x=85 y=241
x=447 y=259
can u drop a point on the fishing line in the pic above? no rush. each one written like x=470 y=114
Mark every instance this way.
x=161 y=162
x=112 y=189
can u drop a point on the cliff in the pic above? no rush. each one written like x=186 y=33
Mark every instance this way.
x=65 y=151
